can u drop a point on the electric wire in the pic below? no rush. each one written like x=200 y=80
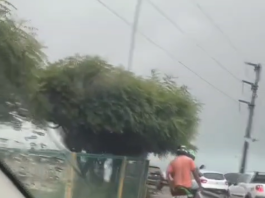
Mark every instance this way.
x=192 y=39
x=166 y=51
x=216 y=26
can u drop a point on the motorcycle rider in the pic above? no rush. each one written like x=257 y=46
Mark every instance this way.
x=179 y=172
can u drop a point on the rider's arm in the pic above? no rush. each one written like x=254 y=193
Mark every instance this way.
x=198 y=170
x=169 y=172
x=195 y=173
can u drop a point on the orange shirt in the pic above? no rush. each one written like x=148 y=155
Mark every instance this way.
x=181 y=171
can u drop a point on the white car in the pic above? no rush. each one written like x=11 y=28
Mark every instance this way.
x=213 y=181
x=249 y=185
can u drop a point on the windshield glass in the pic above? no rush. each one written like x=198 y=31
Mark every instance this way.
x=215 y=176
x=99 y=98
x=48 y=173
x=244 y=178
x=259 y=178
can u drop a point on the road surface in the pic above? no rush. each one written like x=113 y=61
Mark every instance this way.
x=166 y=194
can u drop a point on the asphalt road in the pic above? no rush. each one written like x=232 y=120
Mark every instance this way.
x=166 y=194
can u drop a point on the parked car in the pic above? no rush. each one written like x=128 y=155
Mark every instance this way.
x=212 y=181
x=156 y=179
x=249 y=185
x=154 y=175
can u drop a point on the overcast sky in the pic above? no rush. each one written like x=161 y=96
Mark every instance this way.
x=86 y=27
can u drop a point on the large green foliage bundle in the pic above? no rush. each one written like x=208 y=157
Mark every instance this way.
x=20 y=55
x=106 y=109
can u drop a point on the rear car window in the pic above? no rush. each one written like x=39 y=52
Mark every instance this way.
x=244 y=178
x=153 y=169
x=215 y=176
x=232 y=177
x=259 y=178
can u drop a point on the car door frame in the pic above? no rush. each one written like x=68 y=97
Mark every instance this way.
x=240 y=189
x=9 y=177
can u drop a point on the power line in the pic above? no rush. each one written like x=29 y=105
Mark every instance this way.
x=192 y=39
x=218 y=28
x=166 y=51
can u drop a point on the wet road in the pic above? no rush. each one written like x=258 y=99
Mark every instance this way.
x=166 y=194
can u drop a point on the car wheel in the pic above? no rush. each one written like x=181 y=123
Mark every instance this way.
x=226 y=195
x=248 y=196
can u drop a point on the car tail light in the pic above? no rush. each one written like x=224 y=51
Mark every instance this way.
x=203 y=181
x=259 y=188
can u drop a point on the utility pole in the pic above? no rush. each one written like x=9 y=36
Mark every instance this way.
x=251 y=107
x=136 y=17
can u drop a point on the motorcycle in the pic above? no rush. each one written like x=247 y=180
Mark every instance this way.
x=184 y=192
x=187 y=193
